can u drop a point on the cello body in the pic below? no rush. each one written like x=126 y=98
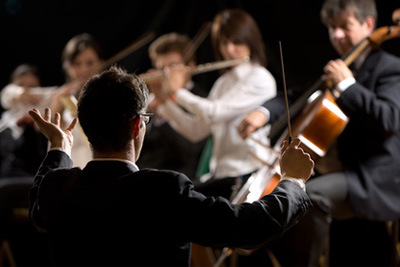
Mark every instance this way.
x=320 y=124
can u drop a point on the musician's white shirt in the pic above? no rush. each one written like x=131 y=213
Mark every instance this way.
x=81 y=153
x=15 y=110
x=237 y=92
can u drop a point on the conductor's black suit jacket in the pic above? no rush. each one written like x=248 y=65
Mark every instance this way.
x=111 y=213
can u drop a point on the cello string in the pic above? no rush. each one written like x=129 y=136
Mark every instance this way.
x=286 y=97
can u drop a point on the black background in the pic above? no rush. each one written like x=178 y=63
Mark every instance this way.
x=36 y=32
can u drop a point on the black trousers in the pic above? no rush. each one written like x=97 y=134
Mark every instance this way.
x=303 y=244
x=13 y=194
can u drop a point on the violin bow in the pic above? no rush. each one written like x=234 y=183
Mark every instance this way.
x=191 y=48
x=70 y=102
x=286 y=96
x=140 y=42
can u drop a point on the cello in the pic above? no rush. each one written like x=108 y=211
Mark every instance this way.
x=318 y=121
x=311 y=112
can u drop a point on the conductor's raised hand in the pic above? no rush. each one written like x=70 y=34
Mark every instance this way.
x=295 y=162
x=52 y=130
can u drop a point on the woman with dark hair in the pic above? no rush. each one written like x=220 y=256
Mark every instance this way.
x=235 y=36
x=82 y=58
x=240 y=28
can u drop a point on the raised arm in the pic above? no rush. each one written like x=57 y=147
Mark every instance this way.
x=58 y=137
x=295 y=162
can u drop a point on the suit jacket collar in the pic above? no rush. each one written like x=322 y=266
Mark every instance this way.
x=102 y=170
x=366 y=69
x=120 y=160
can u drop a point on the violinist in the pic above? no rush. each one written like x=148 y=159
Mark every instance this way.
x=21 y=145
x=235 y=35
x=362 y=179
x=82 y=57
x=164 y=148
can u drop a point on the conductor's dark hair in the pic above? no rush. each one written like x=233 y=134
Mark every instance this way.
x=107 y=107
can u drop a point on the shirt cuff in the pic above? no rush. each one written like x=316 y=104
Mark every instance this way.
x=343 y=85
x=264 y=111
x=297 y=181
x=180 y=94
x=60 y=149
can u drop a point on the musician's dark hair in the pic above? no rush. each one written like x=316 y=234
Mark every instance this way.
x=107 y=107
x=76 y=45
x=361 y=8
x=25 y=68
x=169 y=42
x=238 y=26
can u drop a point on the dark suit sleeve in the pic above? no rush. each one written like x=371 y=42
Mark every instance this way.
x=53 y=160
x=223 y=224
x=376 y=100
x=275 y=106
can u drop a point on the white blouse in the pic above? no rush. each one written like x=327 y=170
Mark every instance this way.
x=81 y=152
x=15 y=110
x=233 y=95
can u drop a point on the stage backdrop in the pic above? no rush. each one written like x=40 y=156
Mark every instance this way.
x=36 y=32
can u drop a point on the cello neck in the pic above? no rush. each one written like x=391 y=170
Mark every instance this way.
x=280 y=124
